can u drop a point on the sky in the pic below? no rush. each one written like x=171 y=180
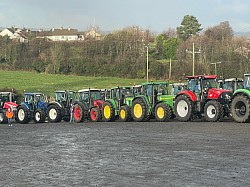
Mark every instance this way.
x=110 y=15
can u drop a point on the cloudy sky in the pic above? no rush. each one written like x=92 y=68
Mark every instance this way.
x=108 y=15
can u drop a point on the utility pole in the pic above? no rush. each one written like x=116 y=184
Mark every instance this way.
x=170 y=69
x=193 y=52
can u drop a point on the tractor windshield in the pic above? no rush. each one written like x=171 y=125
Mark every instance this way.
x=209 y=83
x=39 y=97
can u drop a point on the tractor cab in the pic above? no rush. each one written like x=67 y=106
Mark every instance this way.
x=246 y=83
x=34 y=100
x=231 y=84
x=177 y=87
x=202 y=96
x=7 y=97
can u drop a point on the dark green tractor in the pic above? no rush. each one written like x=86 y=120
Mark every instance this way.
x=240 y=105
x=153 y=102
x=118 y=103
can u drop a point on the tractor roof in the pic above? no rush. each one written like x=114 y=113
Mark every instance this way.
x=202 y=76
x=155 y=83
x=63 y=91
x=234 y=79
x=35 y=93
x=89 y=89
x=6 y=93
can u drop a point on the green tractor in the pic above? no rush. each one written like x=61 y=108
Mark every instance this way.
x=118 y=104
x=240 y=105
x=154 y=101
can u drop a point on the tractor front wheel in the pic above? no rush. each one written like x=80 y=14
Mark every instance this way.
x=240 y=109
x=213 y=111
x=139 y=110
x=95 y=114
x=124 y=113
x=183 y=108
x=39 y=116
x=163 y=112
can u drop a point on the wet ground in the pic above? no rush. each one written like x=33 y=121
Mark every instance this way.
x=125 y=154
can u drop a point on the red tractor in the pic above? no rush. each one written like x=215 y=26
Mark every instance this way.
x=92 y=100
x=202 y=97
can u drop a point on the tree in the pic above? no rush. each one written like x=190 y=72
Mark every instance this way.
x=189 y=26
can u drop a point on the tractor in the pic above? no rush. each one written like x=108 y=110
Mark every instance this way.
x=118 y=104
x=92 y=100
x=153 y=102
x=231 y=84
x=33 y=107
x=7 y=99
x=202 y=97
x=240 y=105
x=60 y=108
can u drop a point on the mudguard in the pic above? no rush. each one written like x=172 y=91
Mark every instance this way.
x=189 y=93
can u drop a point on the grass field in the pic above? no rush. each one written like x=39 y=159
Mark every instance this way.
x=48 y=83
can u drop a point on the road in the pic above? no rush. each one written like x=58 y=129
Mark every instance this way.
x=125 y=154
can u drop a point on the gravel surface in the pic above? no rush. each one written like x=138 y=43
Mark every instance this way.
x=125 y=154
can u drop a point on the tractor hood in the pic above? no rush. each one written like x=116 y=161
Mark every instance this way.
x=214 y=93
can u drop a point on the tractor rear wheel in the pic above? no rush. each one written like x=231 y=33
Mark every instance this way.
x=39 y=116
x=139 y=110
x=78 y=113
x=213 y=111
x=163 y=112
x=3 y=118
x=125 y=113
x=240 y=109
x=54 y=114
x=183 y=108
x=23 y=115
x=95 y=114
x=108 y=111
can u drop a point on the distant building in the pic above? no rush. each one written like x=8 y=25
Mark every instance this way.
x=16 y=34
x=61 y=34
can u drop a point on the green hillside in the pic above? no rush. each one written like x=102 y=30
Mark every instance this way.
x=47 y=83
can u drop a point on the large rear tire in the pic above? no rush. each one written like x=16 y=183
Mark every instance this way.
x=163 y=112
x=213 y=111
x=95 y=114
x=139 y=110
x=125 y=113
x=39 y=116
x=183 y=108
x=3 y=117
x=54 y=114
x=240 y=109
x=78 y=113
x=108 y=112
x=23 y=116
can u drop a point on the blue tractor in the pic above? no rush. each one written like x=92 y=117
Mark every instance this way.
x=34 y=107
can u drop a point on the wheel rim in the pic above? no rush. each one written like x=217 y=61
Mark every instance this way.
x=37 y=116
x=93 y=115
x=122 y=114
x=182 y=108
x=77 y=113
x=240 y=108
x=160 y=112
x=53 y=113
x=138 y=110
x=107 y=111
x=21 y=114
x=211 y=111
